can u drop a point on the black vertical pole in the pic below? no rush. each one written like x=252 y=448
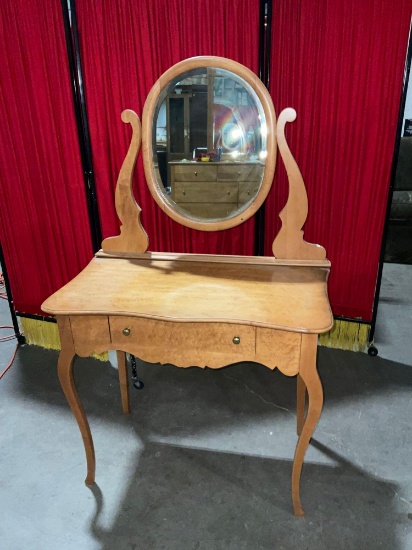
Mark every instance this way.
x=265 y=26
x=73 y=53
x=390 y=195
x=17 y=333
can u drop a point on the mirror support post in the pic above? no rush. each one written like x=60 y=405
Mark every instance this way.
x=133 y=238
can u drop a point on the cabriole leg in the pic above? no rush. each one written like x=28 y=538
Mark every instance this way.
x=300 y=404
x=65 y=370
x=310 y=378
x=124 y=382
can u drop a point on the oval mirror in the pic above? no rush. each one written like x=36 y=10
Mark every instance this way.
x=209 y=145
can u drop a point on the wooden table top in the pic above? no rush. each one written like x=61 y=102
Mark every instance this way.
x=275 y=296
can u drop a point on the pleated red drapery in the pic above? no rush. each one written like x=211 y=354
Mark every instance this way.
x=44 y=226
x=125 y=47
x=340 y=65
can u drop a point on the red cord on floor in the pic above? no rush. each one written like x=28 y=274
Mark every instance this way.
x=4 y=339
x=3 y=295
x=2 y=288
x=10 y=362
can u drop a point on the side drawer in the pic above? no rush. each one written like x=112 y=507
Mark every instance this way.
x=278 y=349
x=183 y=344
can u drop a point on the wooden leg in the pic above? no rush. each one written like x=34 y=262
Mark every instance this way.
x=300 y=404
x=124 y=382
x=65 y=370
x=310 y=377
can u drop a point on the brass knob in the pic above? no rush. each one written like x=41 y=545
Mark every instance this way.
x=236 y=340
x=126 y=331
x=195 y=173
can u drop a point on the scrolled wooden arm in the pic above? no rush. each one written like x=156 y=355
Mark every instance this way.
x=132 y=238
x=289 y=242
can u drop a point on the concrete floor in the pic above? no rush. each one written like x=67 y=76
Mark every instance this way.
x=393 y=328
x=204 y=460
x=399 y=243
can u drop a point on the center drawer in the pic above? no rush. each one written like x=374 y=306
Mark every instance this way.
x=197 y=172
x=183 y=344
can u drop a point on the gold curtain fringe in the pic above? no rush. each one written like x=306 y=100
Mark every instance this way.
x=348 y=335
x=46 y=335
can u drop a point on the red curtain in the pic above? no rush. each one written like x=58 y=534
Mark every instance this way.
x=44 y=227
x=125 y=47
x=340 y=65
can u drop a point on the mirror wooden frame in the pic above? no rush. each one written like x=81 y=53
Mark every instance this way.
x=147 y=139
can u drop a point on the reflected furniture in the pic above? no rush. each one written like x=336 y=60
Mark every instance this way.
x=196 y=309
x=214 y=189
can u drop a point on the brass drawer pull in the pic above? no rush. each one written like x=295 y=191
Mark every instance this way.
x=126 y=331
x=236 y=340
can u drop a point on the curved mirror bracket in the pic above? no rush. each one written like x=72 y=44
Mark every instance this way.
x=289 y=242
x=219 y=103
x=133 y=238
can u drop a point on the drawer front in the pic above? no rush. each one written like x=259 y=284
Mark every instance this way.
x=183 y=344
x=278 y=349
x=205 y=192
x=198 y=172
x=248 y=190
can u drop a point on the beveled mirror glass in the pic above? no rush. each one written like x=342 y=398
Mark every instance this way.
x=208 y=142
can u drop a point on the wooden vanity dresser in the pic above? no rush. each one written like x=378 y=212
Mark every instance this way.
x=203 y=310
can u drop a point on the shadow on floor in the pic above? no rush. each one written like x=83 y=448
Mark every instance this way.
x=220 y=393
x=182 y=497
x=200 y=499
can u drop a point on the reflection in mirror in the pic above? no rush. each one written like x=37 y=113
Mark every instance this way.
x=209 y=144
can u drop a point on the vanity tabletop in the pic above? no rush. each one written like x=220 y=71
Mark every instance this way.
x=184 y=288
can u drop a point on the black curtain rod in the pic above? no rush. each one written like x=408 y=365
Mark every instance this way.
x=35 y=317
x=19 y=336
x=351 y=320
x=265 y=28
x=75 y=66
